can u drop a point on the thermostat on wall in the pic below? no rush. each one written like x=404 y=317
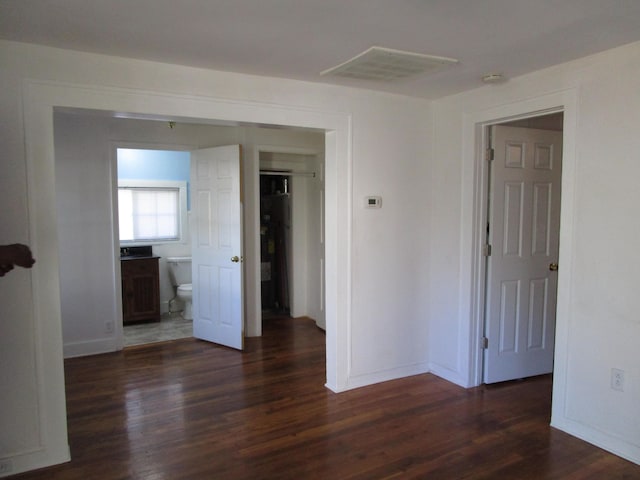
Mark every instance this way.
x=373 y=202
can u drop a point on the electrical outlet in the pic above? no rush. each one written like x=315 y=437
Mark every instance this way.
x=617 y=379
x=5 y=466
x=108 y=327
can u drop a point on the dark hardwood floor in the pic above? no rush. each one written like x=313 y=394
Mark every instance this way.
x=191 y=410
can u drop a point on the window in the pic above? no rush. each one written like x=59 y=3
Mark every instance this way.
x=151 y=211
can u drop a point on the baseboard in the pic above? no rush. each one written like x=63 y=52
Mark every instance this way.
x=610 y=443
x=91 y=347
x=448 y=375
x=28 y=461
x=358 y=381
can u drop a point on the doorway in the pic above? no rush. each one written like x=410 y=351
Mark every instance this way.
x=291 y=233
x=84 y=144
x=153 y=211
x=275 y=244
x=41 y=101
x=521 y=247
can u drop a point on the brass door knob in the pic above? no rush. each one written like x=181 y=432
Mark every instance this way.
x=553 y=267
x=235 y=259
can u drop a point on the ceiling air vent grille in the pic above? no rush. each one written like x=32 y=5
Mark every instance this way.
x=385 y=64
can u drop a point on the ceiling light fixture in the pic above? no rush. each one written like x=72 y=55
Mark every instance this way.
x=493 y=78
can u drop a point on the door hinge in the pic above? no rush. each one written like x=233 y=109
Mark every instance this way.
x=484 y=343
x=489 y=154
x=487 y=250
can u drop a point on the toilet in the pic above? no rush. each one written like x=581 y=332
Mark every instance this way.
x=180 y=275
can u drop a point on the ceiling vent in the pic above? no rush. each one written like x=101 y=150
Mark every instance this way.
x=385 y=64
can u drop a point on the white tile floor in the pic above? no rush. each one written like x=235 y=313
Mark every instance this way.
x=170 y=327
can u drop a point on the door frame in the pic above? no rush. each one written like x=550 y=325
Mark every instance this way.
x=255 y=239
x=482 y=218
x=474 y=220
x=114 y=145
x=489 y=142
x=40 y=98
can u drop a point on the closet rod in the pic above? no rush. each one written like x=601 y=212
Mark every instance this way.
x=287 y=174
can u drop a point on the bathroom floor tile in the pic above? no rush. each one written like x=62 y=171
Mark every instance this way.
x=170 y=327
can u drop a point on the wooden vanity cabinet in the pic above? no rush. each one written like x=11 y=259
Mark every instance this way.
x=140 y=290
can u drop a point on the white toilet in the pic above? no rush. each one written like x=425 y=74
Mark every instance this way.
x=180 y=275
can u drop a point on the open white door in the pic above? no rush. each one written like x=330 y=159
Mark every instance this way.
x=524 y=225
x=217 y=246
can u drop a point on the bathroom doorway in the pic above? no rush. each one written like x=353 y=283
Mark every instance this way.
x=153 y=207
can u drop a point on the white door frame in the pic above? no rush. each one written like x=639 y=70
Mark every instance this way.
x=474 y=221
x=256 y=328
x=520 y=360
x=39 y=100
x=482 y=166
x=113 y=170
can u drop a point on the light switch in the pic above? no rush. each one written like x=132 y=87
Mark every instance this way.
x=373 y=202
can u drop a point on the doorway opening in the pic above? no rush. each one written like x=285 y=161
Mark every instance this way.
x=43 y=100
x=275 y=244
x=520 y=246
x=153 y=210
x=104 y=332
x=291 y=234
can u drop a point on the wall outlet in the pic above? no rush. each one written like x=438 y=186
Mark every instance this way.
x=108 y=327
x=617 y=379
x=6 y=467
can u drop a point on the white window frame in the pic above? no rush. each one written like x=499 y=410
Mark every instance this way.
x=182 y=208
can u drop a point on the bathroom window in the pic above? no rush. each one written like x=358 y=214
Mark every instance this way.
x=151 y=211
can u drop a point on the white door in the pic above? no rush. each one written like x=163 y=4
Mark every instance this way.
x=523 y=231
x=217 y=246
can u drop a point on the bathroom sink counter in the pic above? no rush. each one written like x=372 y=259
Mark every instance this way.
x=138 y=257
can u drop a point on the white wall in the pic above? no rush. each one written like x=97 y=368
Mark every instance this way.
x=598 y=326
x=376 y=260
x=84 y=147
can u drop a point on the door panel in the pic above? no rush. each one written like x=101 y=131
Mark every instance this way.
x=524 y=224
x=542 y=195
x=217 y=277
x=513 y=198
x=537 y=320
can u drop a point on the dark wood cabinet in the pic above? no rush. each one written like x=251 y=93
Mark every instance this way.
x=140 y=290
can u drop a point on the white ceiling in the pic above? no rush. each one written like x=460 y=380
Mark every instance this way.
x=300 y=38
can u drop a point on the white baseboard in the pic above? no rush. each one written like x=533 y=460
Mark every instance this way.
x=90 y=347
x=35 y=459
x=448 y=375
x=599 y=438
x=384 y=376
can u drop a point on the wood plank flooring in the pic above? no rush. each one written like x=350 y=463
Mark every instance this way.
x=191 y=410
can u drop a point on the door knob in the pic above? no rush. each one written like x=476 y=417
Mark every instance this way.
x=235 y=259
x=553 y=267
